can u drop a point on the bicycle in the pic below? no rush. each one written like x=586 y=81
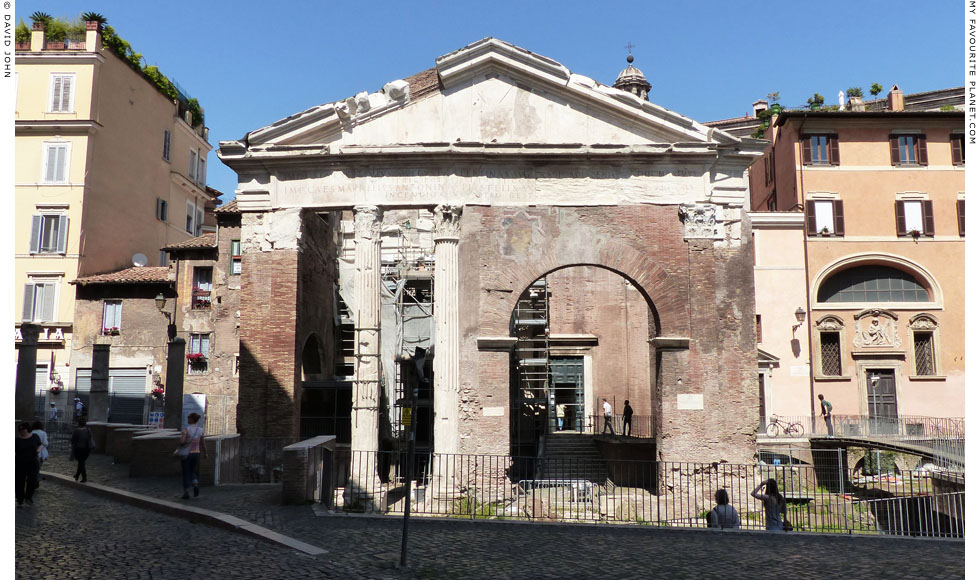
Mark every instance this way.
x=791 y=429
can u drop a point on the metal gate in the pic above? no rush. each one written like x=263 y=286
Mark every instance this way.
x=127 y=393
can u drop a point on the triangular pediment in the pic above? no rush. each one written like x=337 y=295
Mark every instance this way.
x=489 y=92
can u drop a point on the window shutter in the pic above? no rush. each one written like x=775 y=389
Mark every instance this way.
x=961 y=215
x=36 y=222
x=28 y=302
x=957 y=145
x=117 y=318
x=66 y=94
x=928 y=224
x=893 y=141
x=56 y=94
x=900 y=217
x=50 y=163
x=47 y=302
x=811 y=218
x=834 y=150
x=838 y=217
x=807 y=151
x=62 y=234
x=921 y=156
x=205 y=345
x=106 y=315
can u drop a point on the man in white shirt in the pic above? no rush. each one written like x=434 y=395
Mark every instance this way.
x=607 y=416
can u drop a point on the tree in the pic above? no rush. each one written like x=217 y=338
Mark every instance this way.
x=93 y=17
x=875 y=89
x=815 y=101
x=773 y=97
x=855 y=92
x=39 y=16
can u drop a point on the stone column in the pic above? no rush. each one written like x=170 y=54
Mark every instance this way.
x=367 y=349
x=445 y=360
x=26 y=380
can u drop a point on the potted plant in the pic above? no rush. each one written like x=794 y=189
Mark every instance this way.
x=113 y=330
x=825 y=231
x=54 y=390
x=157 y=393
x=197 y=360
x=915 y=233
x=815 y=102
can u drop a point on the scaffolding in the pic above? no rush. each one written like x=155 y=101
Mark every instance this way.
x=530 y=402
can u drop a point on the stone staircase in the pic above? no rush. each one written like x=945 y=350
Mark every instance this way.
x=572 y=456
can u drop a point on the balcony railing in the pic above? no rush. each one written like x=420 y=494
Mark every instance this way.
x=200 y=299
x=641 y=425
x=906 y=427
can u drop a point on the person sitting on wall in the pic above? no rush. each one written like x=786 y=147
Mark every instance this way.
x=723 y=515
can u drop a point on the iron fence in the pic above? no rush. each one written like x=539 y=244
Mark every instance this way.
x=260 y=458
x=676 y=494
x=907 y=427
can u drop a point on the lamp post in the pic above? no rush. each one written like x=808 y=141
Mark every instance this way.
x=800 y=317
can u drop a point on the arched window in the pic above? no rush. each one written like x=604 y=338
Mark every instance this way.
x=311 y=356
x=872 y=284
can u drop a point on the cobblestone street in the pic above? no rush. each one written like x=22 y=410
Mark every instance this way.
x=71 y=533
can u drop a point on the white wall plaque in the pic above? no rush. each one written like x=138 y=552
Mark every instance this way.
x=799 y=371
x=493 y=411
x=690 y=402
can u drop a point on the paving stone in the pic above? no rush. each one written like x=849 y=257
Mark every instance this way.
x=71 y=533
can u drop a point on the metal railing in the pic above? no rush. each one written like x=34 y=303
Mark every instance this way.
x=902 y=426
x=260 y=458
x=640 y=426
x=673 y=494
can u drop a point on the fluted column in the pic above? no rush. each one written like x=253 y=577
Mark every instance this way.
x=367 y=335
x=445 y=361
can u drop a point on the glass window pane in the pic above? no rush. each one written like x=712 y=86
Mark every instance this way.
x=825 y=215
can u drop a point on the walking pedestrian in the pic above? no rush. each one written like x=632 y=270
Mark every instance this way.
x=723 y=515
x=825 y=409
x=773 y=503
x=191 y=448
x=627 y=419
x=37 y=428
x=79 y=408
x=81 y=445
x=560 y=415
x=26 y=447
x=607 y=417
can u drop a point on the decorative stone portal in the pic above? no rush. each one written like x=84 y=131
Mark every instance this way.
x=410 y=218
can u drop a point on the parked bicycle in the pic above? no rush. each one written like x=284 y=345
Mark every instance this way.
x=791 y=429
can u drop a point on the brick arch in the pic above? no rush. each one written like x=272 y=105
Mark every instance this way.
x=665 y=297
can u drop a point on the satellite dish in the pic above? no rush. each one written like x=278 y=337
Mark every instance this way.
x=140 y=259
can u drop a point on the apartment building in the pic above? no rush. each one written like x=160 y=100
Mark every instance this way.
x=865 y=208
x=109 y=170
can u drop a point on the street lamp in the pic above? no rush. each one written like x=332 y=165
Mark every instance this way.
x=800 y=317
x=161 y=302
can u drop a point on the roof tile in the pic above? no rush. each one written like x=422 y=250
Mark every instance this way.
x=133 y=275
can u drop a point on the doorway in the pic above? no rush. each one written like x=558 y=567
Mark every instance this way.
x=567 y=393
x=882 y=401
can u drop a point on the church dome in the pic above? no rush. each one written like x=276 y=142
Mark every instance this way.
x=631 y=80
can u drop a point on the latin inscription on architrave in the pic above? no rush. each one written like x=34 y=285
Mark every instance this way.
x=488 y=185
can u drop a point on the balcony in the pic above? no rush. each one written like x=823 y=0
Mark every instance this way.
x=200 y=299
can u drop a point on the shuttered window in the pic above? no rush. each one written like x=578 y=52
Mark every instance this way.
x=914 y=218
x=961 y=215
x=236 y=256
x=192 y=166
x=820 y=150
x=62 y=93
x=201 y=161
x=55 y=163
x=39 y=300
x=49 y=234
x=166 y=144
x=908 y=150
x=956 y=142
x=825 y=217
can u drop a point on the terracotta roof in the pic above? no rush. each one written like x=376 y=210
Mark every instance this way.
x=206 y=241
x=230 y=207
x=133 y=275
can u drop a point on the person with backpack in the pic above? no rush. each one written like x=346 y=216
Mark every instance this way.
x=825 y=409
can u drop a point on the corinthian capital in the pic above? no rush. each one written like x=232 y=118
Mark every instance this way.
x=367 y=222
x=447 y=220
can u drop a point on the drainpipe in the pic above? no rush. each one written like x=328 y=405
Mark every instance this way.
x=806 y=275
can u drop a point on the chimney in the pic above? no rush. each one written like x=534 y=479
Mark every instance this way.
x=856 y=104
x=896 y=101
x=93 y=38
x=37 y=37
x=759 y=106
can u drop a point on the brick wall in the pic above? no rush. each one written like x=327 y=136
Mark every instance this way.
x=693 y=290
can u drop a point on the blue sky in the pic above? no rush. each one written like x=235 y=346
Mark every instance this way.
x=251 y=63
